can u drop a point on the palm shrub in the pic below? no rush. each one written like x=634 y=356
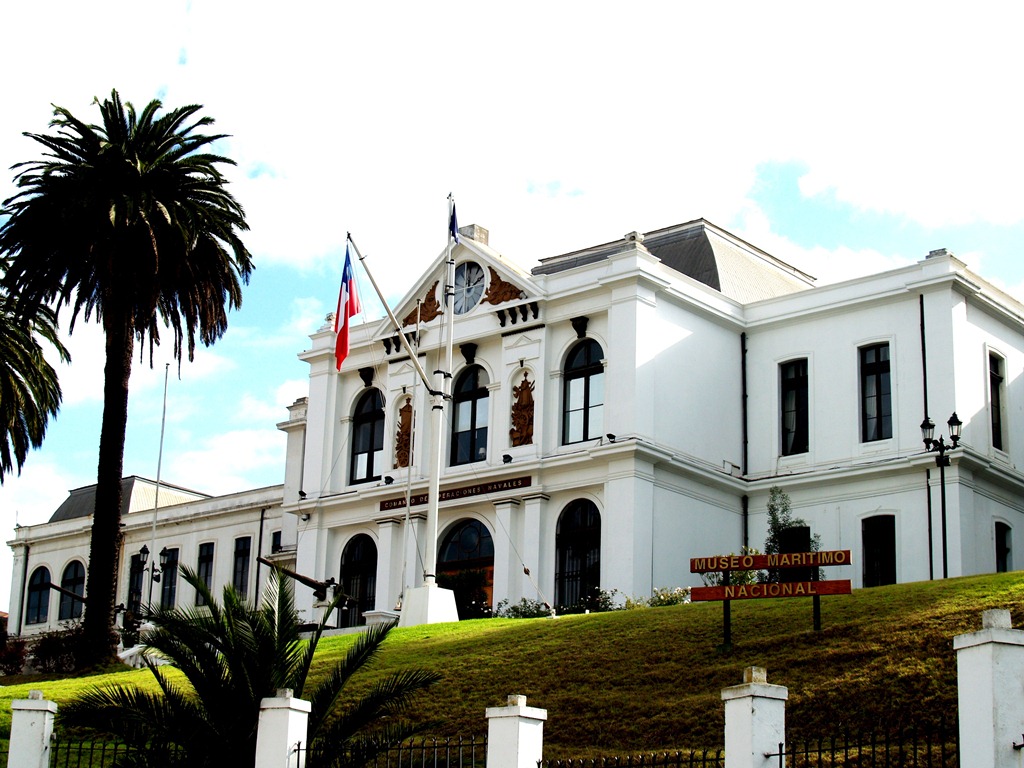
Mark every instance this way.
x=233 y=654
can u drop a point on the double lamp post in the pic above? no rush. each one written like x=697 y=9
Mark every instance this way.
x=942 y=461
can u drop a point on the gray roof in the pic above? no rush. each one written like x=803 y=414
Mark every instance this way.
x=137 y=493
x=706 y=253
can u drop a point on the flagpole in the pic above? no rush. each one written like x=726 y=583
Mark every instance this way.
x=156 y=495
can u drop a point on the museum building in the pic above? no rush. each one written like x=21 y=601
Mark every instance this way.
x=614 y=412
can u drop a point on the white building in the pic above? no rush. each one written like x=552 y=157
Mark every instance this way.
x=617 y=411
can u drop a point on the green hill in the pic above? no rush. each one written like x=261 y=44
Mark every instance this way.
x=650 y=679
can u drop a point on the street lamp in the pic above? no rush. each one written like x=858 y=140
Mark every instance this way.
x=942 y=461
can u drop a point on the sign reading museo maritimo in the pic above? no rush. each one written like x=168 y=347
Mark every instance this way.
x=727 y=563
x=497 y=486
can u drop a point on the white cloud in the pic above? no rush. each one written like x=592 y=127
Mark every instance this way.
x=232 y=461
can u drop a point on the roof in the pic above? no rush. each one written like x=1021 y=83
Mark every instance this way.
x=137 y=493
x=706 y=253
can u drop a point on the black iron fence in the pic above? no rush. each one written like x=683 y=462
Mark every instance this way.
x=707 y=758
x=454 y=752
x=910 y=748
x=69 y=753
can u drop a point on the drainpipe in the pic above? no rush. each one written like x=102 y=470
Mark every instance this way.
x=928 y=472
x=746 y=520
x=259 y=547
x=743 y=383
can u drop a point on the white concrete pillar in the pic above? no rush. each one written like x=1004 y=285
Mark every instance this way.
x=755 y=720
x=31 y=728
x=542 y=568
x=282 y=731
x=990 y=676
x=506 y=563
x=515 y=734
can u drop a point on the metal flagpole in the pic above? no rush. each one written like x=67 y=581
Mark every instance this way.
x=156 y=495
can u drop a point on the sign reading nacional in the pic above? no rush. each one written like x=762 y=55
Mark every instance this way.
x=758 y=562
x=786 y=589
x=497 y=486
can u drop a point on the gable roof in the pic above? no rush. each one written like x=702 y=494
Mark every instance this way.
x=137 y=493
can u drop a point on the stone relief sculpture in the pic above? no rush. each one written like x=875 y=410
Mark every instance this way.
x=522 y=412
x=428 y=310
x=403 y=437
x=500 y=291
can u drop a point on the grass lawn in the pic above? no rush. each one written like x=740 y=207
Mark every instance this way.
x=650 y=679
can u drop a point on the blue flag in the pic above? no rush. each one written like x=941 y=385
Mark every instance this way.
x=453 y=226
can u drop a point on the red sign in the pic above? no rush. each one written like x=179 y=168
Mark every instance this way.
x=751 y=591
x=759 y=562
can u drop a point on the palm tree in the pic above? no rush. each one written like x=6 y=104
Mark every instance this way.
x=232 y=655
x=29 y=391
x=129 y=221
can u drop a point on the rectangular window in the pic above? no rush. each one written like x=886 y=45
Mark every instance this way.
x=875 y=393
x=275 y=542
x=1004 y=548
x=169 y=580
x=795 y=436
x=136 y=572
x=996 y=384
x=240 y=572
x=204 y=569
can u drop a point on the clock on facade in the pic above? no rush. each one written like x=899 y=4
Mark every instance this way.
x=469 y=286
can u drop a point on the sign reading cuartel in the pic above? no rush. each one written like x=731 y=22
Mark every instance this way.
x=497 y=486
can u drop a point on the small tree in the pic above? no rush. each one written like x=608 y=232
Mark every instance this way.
x=780 y=517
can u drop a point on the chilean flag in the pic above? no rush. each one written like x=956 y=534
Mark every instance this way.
x=348 y=305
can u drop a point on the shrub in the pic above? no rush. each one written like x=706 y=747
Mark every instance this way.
x=13 y=655
x=659 y=598
x=524 y=609
x=59 y=650
x=598 y=601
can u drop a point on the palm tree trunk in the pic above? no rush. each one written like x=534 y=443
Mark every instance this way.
x=100 y=640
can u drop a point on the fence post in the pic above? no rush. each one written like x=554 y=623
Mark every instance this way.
x=755 y=720
x=31 y=728
x=989 y=672
x=281 y=734
x=515 y=734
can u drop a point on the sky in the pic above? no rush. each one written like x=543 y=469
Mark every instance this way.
x=845 y=139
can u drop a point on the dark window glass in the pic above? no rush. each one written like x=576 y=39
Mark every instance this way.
x=73 y=580
x=577 y=556
x=136 y=572
x=169 y=581
x=583 y=393
x=275 y=542
x=358 y=580
x=875 y=392
x=469 y=417
x=204 y=569
x=995 y=384
x=879 y=539
x=466 y=566
x=38 y=609
x=1004 y=548
x=368 y=438
x=795 y=438
x=240 y=572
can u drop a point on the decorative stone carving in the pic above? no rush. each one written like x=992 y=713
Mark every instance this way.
x=522 y=412
x=428 y=310
x=403 y=438
x=500 y=291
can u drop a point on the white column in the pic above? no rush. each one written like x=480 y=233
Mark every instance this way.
x=515 y=734
x=542 y=567
x=990 y=673
x=389 y=562
x=282 y=730
x=31 y=728
x=506 y=564
x=755 y=720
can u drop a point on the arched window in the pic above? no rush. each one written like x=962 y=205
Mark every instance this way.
x=583 y=393
x=73 y=580
x=879 y=539
x=358 y=580
x=465 y=565
x=38 y=609
x=577 y=556
x=469 y=417
x=368 y=438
